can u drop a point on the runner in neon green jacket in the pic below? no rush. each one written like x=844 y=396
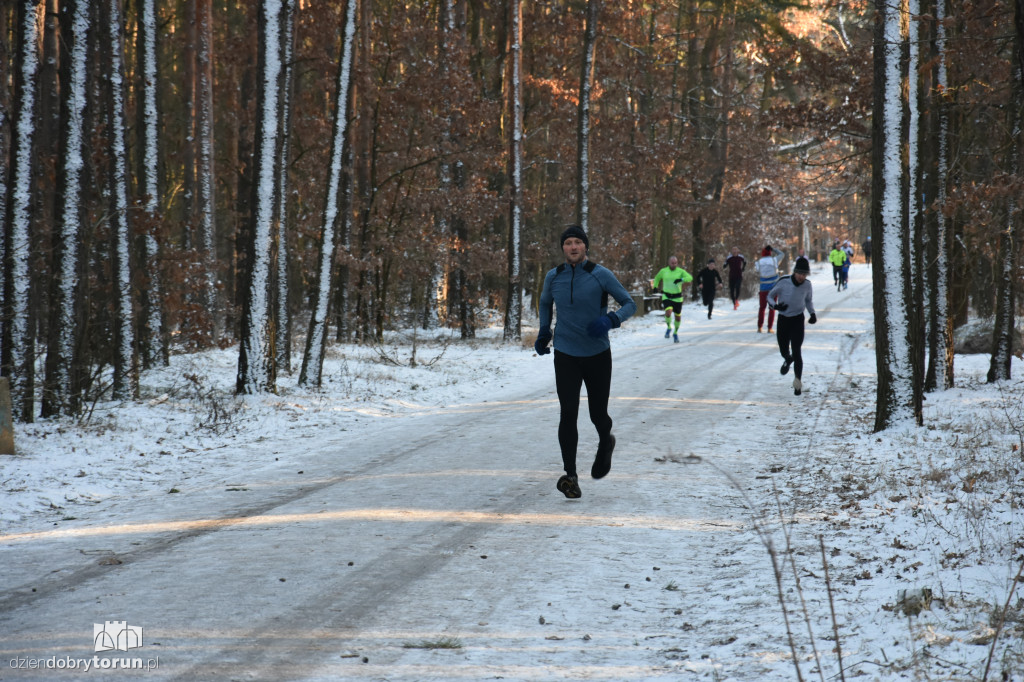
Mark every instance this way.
x=672 y=279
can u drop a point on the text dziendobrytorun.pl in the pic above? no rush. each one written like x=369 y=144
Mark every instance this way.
x=85 y=664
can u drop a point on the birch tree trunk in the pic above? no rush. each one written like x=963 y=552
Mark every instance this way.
x=311 y=373
x=62 y=380
x=18 y=343
x=583 y=113
x=514 y=299
x=256 y=367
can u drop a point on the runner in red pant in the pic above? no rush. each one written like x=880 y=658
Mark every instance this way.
x=768 y=269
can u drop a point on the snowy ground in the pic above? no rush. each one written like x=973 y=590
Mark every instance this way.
x=402 y=522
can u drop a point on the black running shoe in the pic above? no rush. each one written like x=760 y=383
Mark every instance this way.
x=784 y=370
x=797 y=386
x=603 y=460
x=570 y=487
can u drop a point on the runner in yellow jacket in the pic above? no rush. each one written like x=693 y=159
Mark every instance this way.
x=672 y=279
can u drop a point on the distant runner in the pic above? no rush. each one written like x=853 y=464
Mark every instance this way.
x=707 y=284
x=768 y=270
x=736 y=264
x=672 y=279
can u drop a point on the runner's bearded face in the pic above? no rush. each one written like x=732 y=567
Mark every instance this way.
x=575 y=250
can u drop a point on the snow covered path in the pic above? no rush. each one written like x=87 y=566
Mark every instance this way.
x=434 y=545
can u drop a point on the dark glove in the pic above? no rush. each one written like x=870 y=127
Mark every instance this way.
x=780 y=306
x=601 y=325
x=812 y=319
x=543 y=339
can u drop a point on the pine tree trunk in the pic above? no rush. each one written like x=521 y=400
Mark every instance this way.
x=895 y=393
x=939 y=374
x=1009 y=277
x=915 y=211
x=126 y=380
x=282 y=321
x=205 y=171
x=256 y=366
x=334 y=215
x=18 y=360
x=63 y=381
x=152 y=339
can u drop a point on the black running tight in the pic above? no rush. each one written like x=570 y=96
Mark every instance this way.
x=734 y=289
x=790 y=333
x=570 y=375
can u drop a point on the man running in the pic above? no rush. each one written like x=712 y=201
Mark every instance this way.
x=706 y=282
x=791 y=296
x=837 y=257
x=672 y=278
x=579 y=290
x=736 y=264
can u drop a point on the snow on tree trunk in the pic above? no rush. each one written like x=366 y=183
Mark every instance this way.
x=61 y=382
x=311 y=373
x=1002 y=341
x=125 y=375
x=942 y=322
x=514 y=300
x=283 y=327
x=154 y=349
x=18 y=359
x=205 y=170
x=913 y=126
x=437 y=309
x=916 y=289
x=256 y=357
x=894 y=400
x=583 y=123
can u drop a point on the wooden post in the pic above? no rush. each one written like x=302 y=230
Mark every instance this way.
x=6 y=423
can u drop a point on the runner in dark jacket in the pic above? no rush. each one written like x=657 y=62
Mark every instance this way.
x=578 y=290
x=736 y=264
x=706 y=281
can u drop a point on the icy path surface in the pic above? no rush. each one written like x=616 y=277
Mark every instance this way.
x=435 y=546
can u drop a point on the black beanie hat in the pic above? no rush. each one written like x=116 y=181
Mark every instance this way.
x=802 y=266
x=575 y=231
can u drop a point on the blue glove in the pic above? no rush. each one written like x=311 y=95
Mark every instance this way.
x=543 y=339
x=812 y=319
x=601 y=325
